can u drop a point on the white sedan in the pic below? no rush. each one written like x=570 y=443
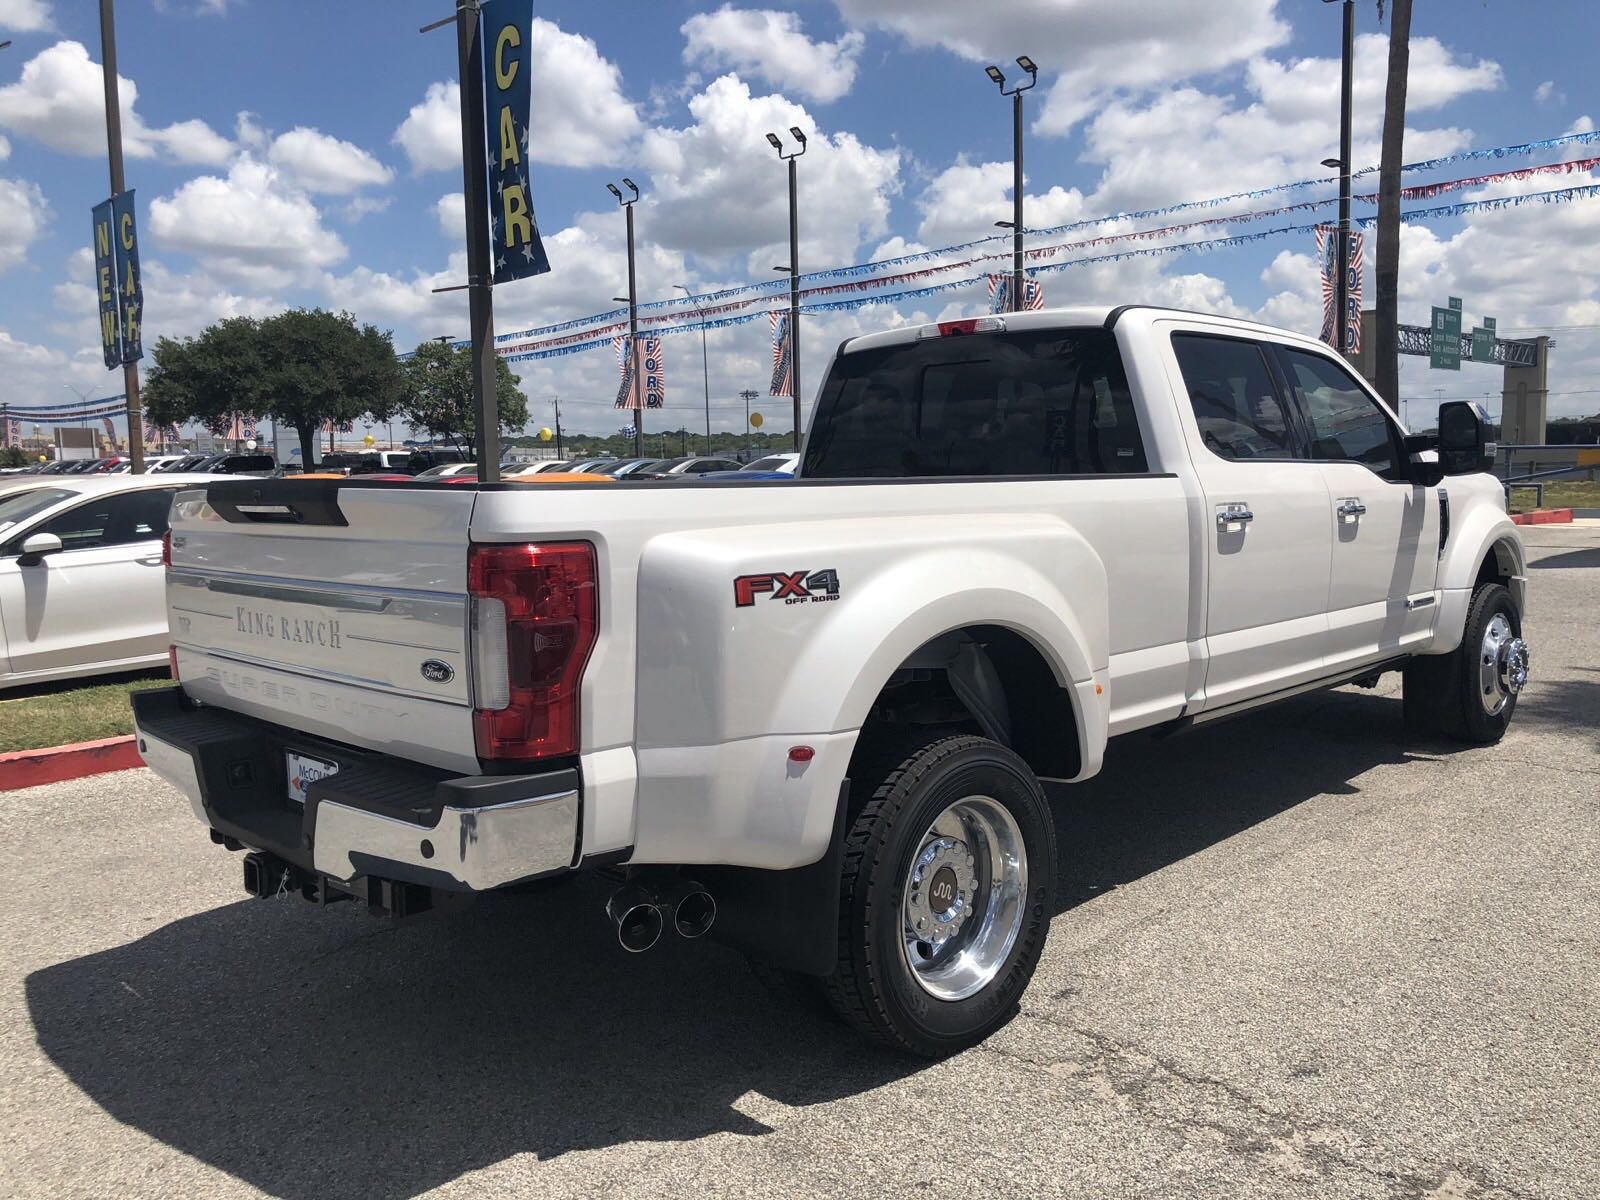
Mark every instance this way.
x=82 y=586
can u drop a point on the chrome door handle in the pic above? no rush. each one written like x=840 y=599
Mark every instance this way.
x=1234 y=516
x=1351 y=508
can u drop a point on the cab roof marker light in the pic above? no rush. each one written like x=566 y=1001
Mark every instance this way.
x=961 y=328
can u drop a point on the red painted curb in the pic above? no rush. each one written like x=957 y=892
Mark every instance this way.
x=1543 y=516
x=53 y=764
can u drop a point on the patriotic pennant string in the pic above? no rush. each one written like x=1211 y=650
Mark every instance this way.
x=1559 y=196
x=675 y=308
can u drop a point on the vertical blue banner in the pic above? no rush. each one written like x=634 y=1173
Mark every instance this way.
x=514 y=244
x=130 y=287
x=105 y=285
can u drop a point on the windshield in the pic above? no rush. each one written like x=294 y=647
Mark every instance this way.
x=18 y=508
x=1045 y=402
x=777 y=462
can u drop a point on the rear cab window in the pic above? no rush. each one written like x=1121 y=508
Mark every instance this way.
x=1024 y=403
x=1236 y=402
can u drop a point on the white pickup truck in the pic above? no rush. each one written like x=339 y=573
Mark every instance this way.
x=817 y=713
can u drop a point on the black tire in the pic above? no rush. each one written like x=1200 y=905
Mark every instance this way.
x=873 y=987
x=1441 y=692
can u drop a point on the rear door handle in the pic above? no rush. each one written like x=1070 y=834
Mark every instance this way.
x=1234 y=516
x=1351 y=508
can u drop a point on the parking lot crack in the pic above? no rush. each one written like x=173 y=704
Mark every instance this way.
x=1133 y=1077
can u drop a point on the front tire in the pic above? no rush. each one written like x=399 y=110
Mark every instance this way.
x=947 y=891
x=1470 y=694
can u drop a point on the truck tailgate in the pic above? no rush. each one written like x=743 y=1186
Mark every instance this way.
x=337 y=610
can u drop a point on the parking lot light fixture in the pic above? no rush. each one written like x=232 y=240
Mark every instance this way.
x=1015 y=92
x=633 y=309
x=794 y=267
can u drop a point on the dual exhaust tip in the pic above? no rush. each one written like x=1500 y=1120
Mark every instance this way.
x=640 y=913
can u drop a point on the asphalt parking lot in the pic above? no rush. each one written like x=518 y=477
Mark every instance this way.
x=1298 y=955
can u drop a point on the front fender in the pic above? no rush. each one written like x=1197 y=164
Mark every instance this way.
x=1479 y=527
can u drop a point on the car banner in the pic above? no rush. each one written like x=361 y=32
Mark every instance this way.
x=514 y=243
x=105 y=286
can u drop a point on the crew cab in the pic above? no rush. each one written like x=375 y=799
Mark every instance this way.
x=813 y=716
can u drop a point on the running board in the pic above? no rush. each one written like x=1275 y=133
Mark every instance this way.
x=1185 y=723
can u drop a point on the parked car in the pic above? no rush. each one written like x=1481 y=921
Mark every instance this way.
x=446 y=470
x=542 y=467
x=621 y=468
x=775 y=462
x=585 y=466
x=185 y=462
x=82 y=584
x=152 y=463
x=679 y=468
x=425 y=458
x=819 y=729
x=240 y=464
x=111 y=465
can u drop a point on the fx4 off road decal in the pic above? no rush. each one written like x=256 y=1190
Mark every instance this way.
x=791 y=587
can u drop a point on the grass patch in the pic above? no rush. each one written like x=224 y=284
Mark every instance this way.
x=1562 y=493
x=56 y=714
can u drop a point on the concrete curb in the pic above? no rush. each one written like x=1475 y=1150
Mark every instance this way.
x=54 y=764
x=1544 y=516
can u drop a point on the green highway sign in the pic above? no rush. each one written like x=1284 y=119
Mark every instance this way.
x=1483 y=338
x=1444 y=347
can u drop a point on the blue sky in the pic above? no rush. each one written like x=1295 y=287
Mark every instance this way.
x=287 y=153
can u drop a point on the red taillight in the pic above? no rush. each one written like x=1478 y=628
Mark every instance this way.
x=166 y=559
x=535 y=613
x=172 y=662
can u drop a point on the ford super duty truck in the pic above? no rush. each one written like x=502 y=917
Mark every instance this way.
x=812 y=717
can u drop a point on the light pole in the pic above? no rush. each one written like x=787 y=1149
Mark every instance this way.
x=748 y=396
x=633 y=315
x=793 y=269
x=1015 y=93
x=705 y=362
x=1341 y=289
x=556 y=400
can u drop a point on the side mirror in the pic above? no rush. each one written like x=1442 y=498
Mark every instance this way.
x=1423 y=467
x=36 y=547
x=1464 y=445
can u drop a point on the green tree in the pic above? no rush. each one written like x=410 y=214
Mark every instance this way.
x=436 y=395
x=300 y=368
x=317 y=366
x=207 y=378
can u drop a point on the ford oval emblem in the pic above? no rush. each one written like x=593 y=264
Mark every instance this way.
x=435 y=671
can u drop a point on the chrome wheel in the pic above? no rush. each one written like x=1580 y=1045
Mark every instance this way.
x=964 y=894
x=1502 y=665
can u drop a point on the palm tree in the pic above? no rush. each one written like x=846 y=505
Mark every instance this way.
x=1386 y=335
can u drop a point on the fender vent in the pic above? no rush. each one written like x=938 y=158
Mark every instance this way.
x=1444 y=520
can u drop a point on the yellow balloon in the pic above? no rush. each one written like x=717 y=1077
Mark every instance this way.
x=756 y=419
x=42 y=458
x=369 y=440
x=545 y=435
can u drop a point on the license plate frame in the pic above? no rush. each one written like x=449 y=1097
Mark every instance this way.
x=300 y=771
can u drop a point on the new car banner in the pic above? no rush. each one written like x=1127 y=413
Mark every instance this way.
x=130 y=286
x=643 y=383
x=514 y=243
x=105 y=286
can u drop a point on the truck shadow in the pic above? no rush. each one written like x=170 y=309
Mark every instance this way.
x=324 y=1053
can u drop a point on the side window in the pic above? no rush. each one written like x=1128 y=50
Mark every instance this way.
x=1346 y=423
x=112 y=520
x=1236 y=403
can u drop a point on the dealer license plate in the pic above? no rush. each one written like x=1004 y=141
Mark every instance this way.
x=302 y=772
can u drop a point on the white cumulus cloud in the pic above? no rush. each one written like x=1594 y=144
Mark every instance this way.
x=773 y=45
x=251 y=226
x=25 y=16
x=319 y=162
x=23 y=216
x=59 y=101
x=580 y=116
